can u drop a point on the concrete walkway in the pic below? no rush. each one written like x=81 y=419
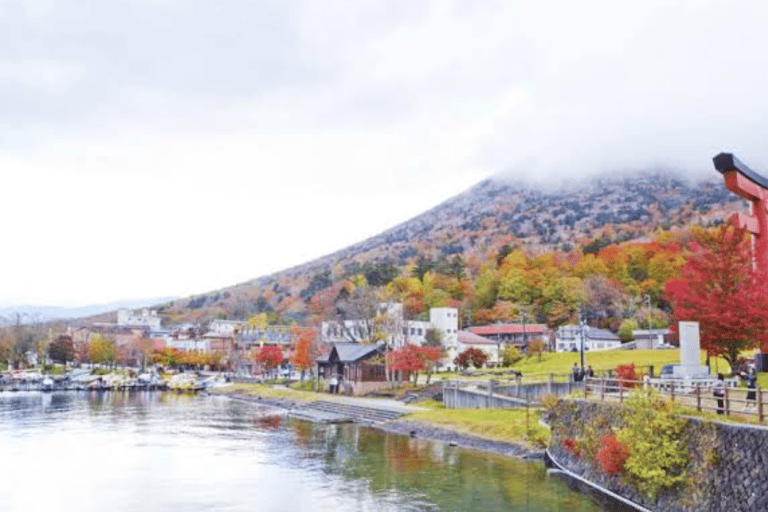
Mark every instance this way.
x=383 y=404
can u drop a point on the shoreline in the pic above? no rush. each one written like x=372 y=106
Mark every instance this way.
x=414 y=429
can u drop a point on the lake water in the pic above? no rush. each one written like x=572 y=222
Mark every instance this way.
x=155 y=452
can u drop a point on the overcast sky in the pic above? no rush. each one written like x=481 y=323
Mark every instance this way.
x=171 y=147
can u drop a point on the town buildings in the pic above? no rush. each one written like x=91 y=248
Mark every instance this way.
x=390 y=325
x=513 y=334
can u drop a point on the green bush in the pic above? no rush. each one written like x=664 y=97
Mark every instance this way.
x=653 y=431
x=55 y=369
x=510 y=355
x=307 y=385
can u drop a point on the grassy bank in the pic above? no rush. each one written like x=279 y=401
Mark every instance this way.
x=512 y=425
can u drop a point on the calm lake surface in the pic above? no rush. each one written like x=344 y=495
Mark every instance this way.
x=155 y=452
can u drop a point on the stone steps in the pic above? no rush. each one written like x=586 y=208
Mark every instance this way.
x=357 y=412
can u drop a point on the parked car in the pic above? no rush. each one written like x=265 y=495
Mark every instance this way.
x=667 y=371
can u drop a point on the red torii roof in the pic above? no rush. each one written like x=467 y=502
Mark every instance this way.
x=487 y=330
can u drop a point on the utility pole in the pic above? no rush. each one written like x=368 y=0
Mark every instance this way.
x=648 y=318
x=582 y=330
x=525 y=338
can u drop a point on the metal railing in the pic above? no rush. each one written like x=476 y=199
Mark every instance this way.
x=494 y=393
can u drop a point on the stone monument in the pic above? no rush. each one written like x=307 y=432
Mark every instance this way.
x=690 y=350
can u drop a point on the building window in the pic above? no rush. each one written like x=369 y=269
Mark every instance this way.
x=418 y=331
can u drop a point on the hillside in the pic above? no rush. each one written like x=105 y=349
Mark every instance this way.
x=475 y=225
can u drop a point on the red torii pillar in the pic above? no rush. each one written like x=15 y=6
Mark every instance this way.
x=754 y=188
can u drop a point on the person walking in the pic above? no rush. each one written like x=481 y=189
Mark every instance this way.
x=334 y=386
x=751 y=379
x=718 y=391
x=575 y=371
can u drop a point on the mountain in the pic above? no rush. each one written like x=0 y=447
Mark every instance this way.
x=48 y=313
x=476 y=224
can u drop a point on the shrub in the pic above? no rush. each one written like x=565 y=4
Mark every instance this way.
x=571 y=445
x=538 y=437
x=612 y=455
x=654 y=434
x=549 y=402
x=627 y=372
x=510 y=355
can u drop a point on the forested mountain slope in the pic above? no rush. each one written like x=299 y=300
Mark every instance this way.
x=468 y=231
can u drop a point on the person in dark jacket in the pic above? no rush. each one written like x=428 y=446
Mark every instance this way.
x=718 y=390
x=751 y=379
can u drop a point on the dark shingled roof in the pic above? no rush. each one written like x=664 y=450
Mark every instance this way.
x=350 y=352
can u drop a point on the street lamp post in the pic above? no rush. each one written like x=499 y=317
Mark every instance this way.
x=525 y=338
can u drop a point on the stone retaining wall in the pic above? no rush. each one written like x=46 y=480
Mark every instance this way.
x=728 y=469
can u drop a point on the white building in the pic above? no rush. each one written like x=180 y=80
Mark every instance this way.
x=650 y=338
x=568 y=339
x=143 y=318
x=491 y=348
x=189 y=344
x=219 y=326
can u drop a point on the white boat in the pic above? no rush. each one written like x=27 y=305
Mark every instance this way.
x=47 y=384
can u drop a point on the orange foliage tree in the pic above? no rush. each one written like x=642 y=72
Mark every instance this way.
x=306 y=350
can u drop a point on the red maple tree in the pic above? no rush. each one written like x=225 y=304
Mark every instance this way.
x=270 y=356
x=411 y=359
x=719 y=287
x=472 y=356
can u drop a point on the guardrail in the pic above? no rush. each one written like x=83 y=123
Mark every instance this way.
x=493 y=393
x=696 y=394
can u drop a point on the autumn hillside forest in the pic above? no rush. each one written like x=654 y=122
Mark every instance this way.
x=500 y=252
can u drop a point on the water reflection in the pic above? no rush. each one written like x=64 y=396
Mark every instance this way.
x=436 y=476
x=162 y=452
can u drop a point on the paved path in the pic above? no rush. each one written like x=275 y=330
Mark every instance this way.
x=331 y=408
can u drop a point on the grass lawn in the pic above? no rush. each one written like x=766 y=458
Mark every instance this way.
x=562 y=362
x=497 y=424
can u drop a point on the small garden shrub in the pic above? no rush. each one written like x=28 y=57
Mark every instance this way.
x=549 y=402
x=571 y=445
x=613 y=455
x=627 y=372
x=538 y=437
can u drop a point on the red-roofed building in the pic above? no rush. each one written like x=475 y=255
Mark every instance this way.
x=513 y=334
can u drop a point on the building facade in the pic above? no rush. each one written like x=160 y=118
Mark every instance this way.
x=569 y=339
x=144 y=318
x=513 y=334
x=400 y=331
